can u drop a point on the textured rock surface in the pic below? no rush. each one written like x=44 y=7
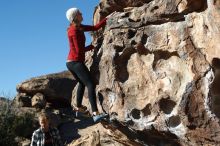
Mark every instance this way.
x=55 y=87
x=98 y=135
x=154 y=65
x=26 y=142
x=38 y=101
x=157 y=72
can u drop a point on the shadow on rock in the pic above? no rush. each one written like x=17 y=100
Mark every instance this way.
x=70 y=131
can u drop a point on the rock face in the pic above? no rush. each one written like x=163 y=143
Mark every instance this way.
x=98 y=135
x=153 y=68
x=107 y=6
x=157 y=72
x=53 y=88
x=38 y=101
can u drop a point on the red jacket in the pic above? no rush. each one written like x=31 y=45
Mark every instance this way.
x=77 y=40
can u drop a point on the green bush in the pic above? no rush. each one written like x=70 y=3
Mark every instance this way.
x=7 y=135
x=13 y=125
x=23 y=125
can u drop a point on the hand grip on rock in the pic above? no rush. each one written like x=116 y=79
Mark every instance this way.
x=112 y=14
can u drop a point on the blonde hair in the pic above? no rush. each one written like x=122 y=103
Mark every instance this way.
x=43 y=115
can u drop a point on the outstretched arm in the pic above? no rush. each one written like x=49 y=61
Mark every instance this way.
x=95 y=27
x=100 y=24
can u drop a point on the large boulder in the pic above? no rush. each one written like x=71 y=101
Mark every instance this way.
x=55 y=88
x=153 y=69
x=156 y=70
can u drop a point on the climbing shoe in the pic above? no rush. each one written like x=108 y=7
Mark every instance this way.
x=99 y=117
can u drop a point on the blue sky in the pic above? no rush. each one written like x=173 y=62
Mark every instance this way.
x=33 y=39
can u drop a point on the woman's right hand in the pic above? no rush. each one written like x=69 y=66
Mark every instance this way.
x=112 y=14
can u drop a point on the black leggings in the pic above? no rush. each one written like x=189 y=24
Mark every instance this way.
x=82 y=74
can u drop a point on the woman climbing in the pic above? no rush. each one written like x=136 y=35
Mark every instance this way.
x=76 y=57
